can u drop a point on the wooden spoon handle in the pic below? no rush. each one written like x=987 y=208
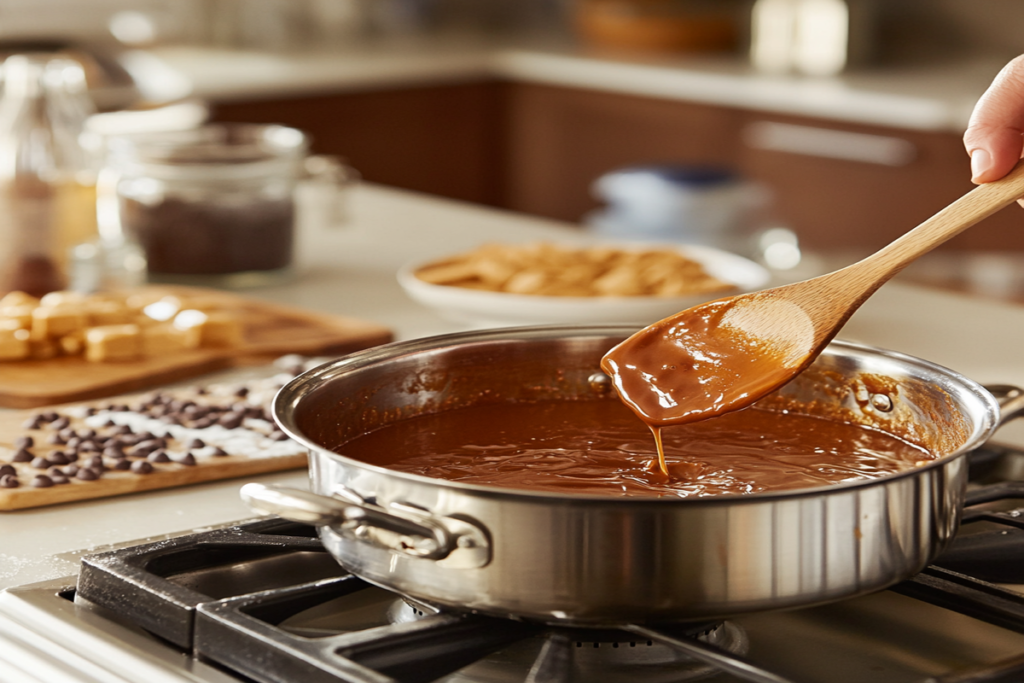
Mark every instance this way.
x=976 y=205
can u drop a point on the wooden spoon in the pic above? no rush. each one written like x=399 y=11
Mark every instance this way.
x=724 y=355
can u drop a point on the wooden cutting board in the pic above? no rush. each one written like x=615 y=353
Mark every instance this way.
x=250 y=448
x=270 y=331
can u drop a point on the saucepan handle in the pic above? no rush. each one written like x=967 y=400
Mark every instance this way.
x=400 y=528
x=1011 y=401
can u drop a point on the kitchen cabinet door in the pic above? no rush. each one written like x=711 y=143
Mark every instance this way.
x=439 y=139
x=859 y=187
x=559 y=140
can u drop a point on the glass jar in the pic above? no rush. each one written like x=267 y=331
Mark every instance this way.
x=47 y=201
x=212 y=206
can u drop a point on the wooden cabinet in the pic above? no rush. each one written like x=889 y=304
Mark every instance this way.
x=537 y=149
x=838 y=185
x=439 y=139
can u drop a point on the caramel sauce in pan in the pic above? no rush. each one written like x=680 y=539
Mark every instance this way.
x=706 y=361
x=601 y=447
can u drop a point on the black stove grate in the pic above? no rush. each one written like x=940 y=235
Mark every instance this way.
x=218 y=595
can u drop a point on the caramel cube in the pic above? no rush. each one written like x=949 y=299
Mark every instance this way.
x=43 y=349
x=18 y=299
x=72 y=344
x=102 y=313
x=14 y=341
x=61 y=298
x=112 y=343
x=21 y=313
x=56 y=321
x=210 y=328
x=162 y=338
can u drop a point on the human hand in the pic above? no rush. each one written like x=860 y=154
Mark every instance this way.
x=995 y=134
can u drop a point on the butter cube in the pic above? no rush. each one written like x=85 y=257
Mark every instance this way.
x=210 y=328
x=14 y=341
x=112 y=343
x=56 y=321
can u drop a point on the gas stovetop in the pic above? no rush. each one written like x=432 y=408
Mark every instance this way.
x=262 y=601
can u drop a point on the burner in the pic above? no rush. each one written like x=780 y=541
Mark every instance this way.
x=607 y=655
x=266 y=602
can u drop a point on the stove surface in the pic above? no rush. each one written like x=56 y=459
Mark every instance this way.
x=262 y=601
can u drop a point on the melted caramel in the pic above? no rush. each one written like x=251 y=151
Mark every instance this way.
x=601 y=447
x=708 y=360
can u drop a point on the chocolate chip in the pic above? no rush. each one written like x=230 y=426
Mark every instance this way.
x=57 y=458
x=203 y=423
x=24 y=442
x=158 y=456
x=87 y=474
x=7 y=469
x=49 y=416
x=187 y=459
x=41 y=481
x=22 y=455
x=59 y=479
x=196 y=443
x=9 y=481
x=122 y=464
x=123 y=429
x=73 y=442
x=95 y=462
x=278 y=435
x=141 y=467
x=56 y=439
x=71 y=470
x=242 y=392
x=88 y=446
x=230 y=420
x=91 y=410
x=86 y=433
x=218 y=451
x=113 y=452
x=40 y=463
x=171 y=419
x=34 y=422
x=60 y=423
x=54 y=470
x=144 y=448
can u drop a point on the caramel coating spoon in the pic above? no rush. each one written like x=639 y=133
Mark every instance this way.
x=724 y=355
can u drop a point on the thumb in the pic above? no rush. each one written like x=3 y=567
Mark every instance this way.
x=993 y=137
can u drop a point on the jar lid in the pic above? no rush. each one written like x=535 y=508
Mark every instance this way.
x=229 y=151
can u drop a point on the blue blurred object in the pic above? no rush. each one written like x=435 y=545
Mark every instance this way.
x=692 y=204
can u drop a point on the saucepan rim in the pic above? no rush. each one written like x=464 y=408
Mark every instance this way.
x=290 y=395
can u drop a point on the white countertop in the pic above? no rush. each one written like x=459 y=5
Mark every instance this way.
x=350 y=270
x=930 y=97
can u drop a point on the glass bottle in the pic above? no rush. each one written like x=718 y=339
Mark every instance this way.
x=47 y=196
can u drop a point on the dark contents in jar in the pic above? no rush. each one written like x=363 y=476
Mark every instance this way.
x=602 y=447
x=207 y=238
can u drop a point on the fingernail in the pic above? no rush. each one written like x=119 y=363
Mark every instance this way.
x=981 y=161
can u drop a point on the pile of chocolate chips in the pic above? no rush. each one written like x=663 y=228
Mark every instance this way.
x=85 y=454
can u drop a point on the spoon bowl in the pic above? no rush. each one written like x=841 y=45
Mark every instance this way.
x=726 y=354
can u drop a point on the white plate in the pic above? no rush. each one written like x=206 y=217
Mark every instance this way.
x=478 y=308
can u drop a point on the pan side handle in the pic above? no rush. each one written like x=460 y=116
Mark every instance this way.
x=401 y=528
x=1011 y=401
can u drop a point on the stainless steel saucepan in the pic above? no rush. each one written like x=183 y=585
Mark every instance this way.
x=594 y=560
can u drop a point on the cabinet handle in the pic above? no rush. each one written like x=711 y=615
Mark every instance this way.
x=829 y=144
